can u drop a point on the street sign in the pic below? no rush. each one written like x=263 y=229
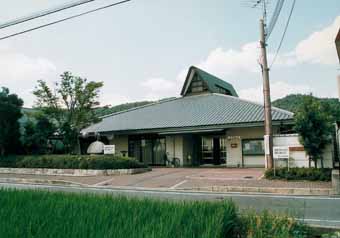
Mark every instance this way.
x=281 y=152
x=109 y=149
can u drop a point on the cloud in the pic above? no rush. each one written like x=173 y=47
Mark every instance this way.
x=278 y=89
x=319 y=47
x=232 y=61
x=20 y=72
x=160 y=88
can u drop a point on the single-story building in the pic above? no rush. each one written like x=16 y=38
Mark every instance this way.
x=207 y=125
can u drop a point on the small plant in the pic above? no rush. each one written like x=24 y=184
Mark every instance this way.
x=271 y=225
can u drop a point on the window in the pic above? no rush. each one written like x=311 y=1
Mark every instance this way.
x=253 y=147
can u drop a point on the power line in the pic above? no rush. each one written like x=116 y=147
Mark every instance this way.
x=284 y=33
x=44 y=13
x=274 y=18
x=63 y=19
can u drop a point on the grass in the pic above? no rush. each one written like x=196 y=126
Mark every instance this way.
x=28 y=214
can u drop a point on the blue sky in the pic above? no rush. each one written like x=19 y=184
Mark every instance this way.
x=142 y=50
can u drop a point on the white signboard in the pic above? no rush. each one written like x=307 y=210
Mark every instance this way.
x=281 y=152
x=109 y=149
x=266 y=145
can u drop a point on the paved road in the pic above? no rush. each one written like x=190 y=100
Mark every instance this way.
x=319 y=211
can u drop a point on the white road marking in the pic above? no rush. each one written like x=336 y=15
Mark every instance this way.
x=103 y=183
x=178 y=184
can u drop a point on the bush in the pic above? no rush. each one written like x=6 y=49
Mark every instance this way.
x=71 y=162
x=310 y=174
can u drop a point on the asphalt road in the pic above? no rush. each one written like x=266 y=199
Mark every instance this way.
x=314 y=210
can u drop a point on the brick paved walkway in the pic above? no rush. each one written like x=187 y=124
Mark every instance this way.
x=181 y=178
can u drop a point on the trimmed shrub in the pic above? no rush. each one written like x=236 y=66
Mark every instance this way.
x=71 y=162
x=310 y=174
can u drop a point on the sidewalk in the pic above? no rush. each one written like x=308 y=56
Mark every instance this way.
x=192 y=179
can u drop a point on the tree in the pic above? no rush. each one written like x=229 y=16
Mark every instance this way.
x=70 y=105
x=36 y=134
x=313 y=122
x=10 y=113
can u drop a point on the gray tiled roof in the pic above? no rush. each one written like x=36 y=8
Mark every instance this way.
x=200 y=110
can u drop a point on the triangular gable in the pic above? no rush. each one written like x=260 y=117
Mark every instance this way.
x=199 y=81
x=337 y=43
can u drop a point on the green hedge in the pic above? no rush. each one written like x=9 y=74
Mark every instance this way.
x=311 y=174
x=70 y=162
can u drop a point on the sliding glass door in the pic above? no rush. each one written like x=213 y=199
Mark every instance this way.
x=150 y=151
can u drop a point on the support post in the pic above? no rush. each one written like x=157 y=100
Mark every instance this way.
x=266 y=95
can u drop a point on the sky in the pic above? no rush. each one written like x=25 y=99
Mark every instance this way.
x=142 y=50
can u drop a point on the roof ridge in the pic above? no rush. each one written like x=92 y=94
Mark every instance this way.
x=257 y=103
x=139 y=107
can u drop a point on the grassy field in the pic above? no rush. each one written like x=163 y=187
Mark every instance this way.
x=43 y=215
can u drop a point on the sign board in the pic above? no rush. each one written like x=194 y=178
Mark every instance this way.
x=266 y=145
x=281 y=152
x=109 y=149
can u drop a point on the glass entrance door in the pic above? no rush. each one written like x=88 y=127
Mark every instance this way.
x=213 y=150
x=150 y=151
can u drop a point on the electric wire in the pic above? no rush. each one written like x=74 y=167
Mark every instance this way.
x=63 y=19
x=43 y=13
x=274 y=18
x=284 y=34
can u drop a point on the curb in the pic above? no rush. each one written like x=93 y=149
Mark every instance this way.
x=215 y=189
x=281 y=191
x=73 y=172
x=41 y=181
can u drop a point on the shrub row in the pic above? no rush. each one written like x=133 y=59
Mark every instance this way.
x=46 y=214
x=71 y=162
x=311 y=174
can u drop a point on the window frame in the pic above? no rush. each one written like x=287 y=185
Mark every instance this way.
x=244 y=141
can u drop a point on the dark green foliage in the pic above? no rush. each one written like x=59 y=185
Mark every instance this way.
x=10 y=113
x=294 y=101
x=71 y=162
x=314 y=123
x=102 y=111
x=36 y=133
x=311 y=174
x=44 y=214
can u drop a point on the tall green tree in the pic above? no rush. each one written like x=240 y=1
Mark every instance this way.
x=36 y=133
x=10 y=113
x=314 y=123
x=70 y=105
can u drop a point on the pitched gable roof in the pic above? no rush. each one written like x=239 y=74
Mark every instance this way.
x=188 y=112
x=211 y=81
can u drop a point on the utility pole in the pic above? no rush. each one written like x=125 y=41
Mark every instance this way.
x=268 y=138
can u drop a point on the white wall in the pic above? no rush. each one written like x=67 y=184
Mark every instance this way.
x=300 y=158
x=121 y=143
x=234 y=155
